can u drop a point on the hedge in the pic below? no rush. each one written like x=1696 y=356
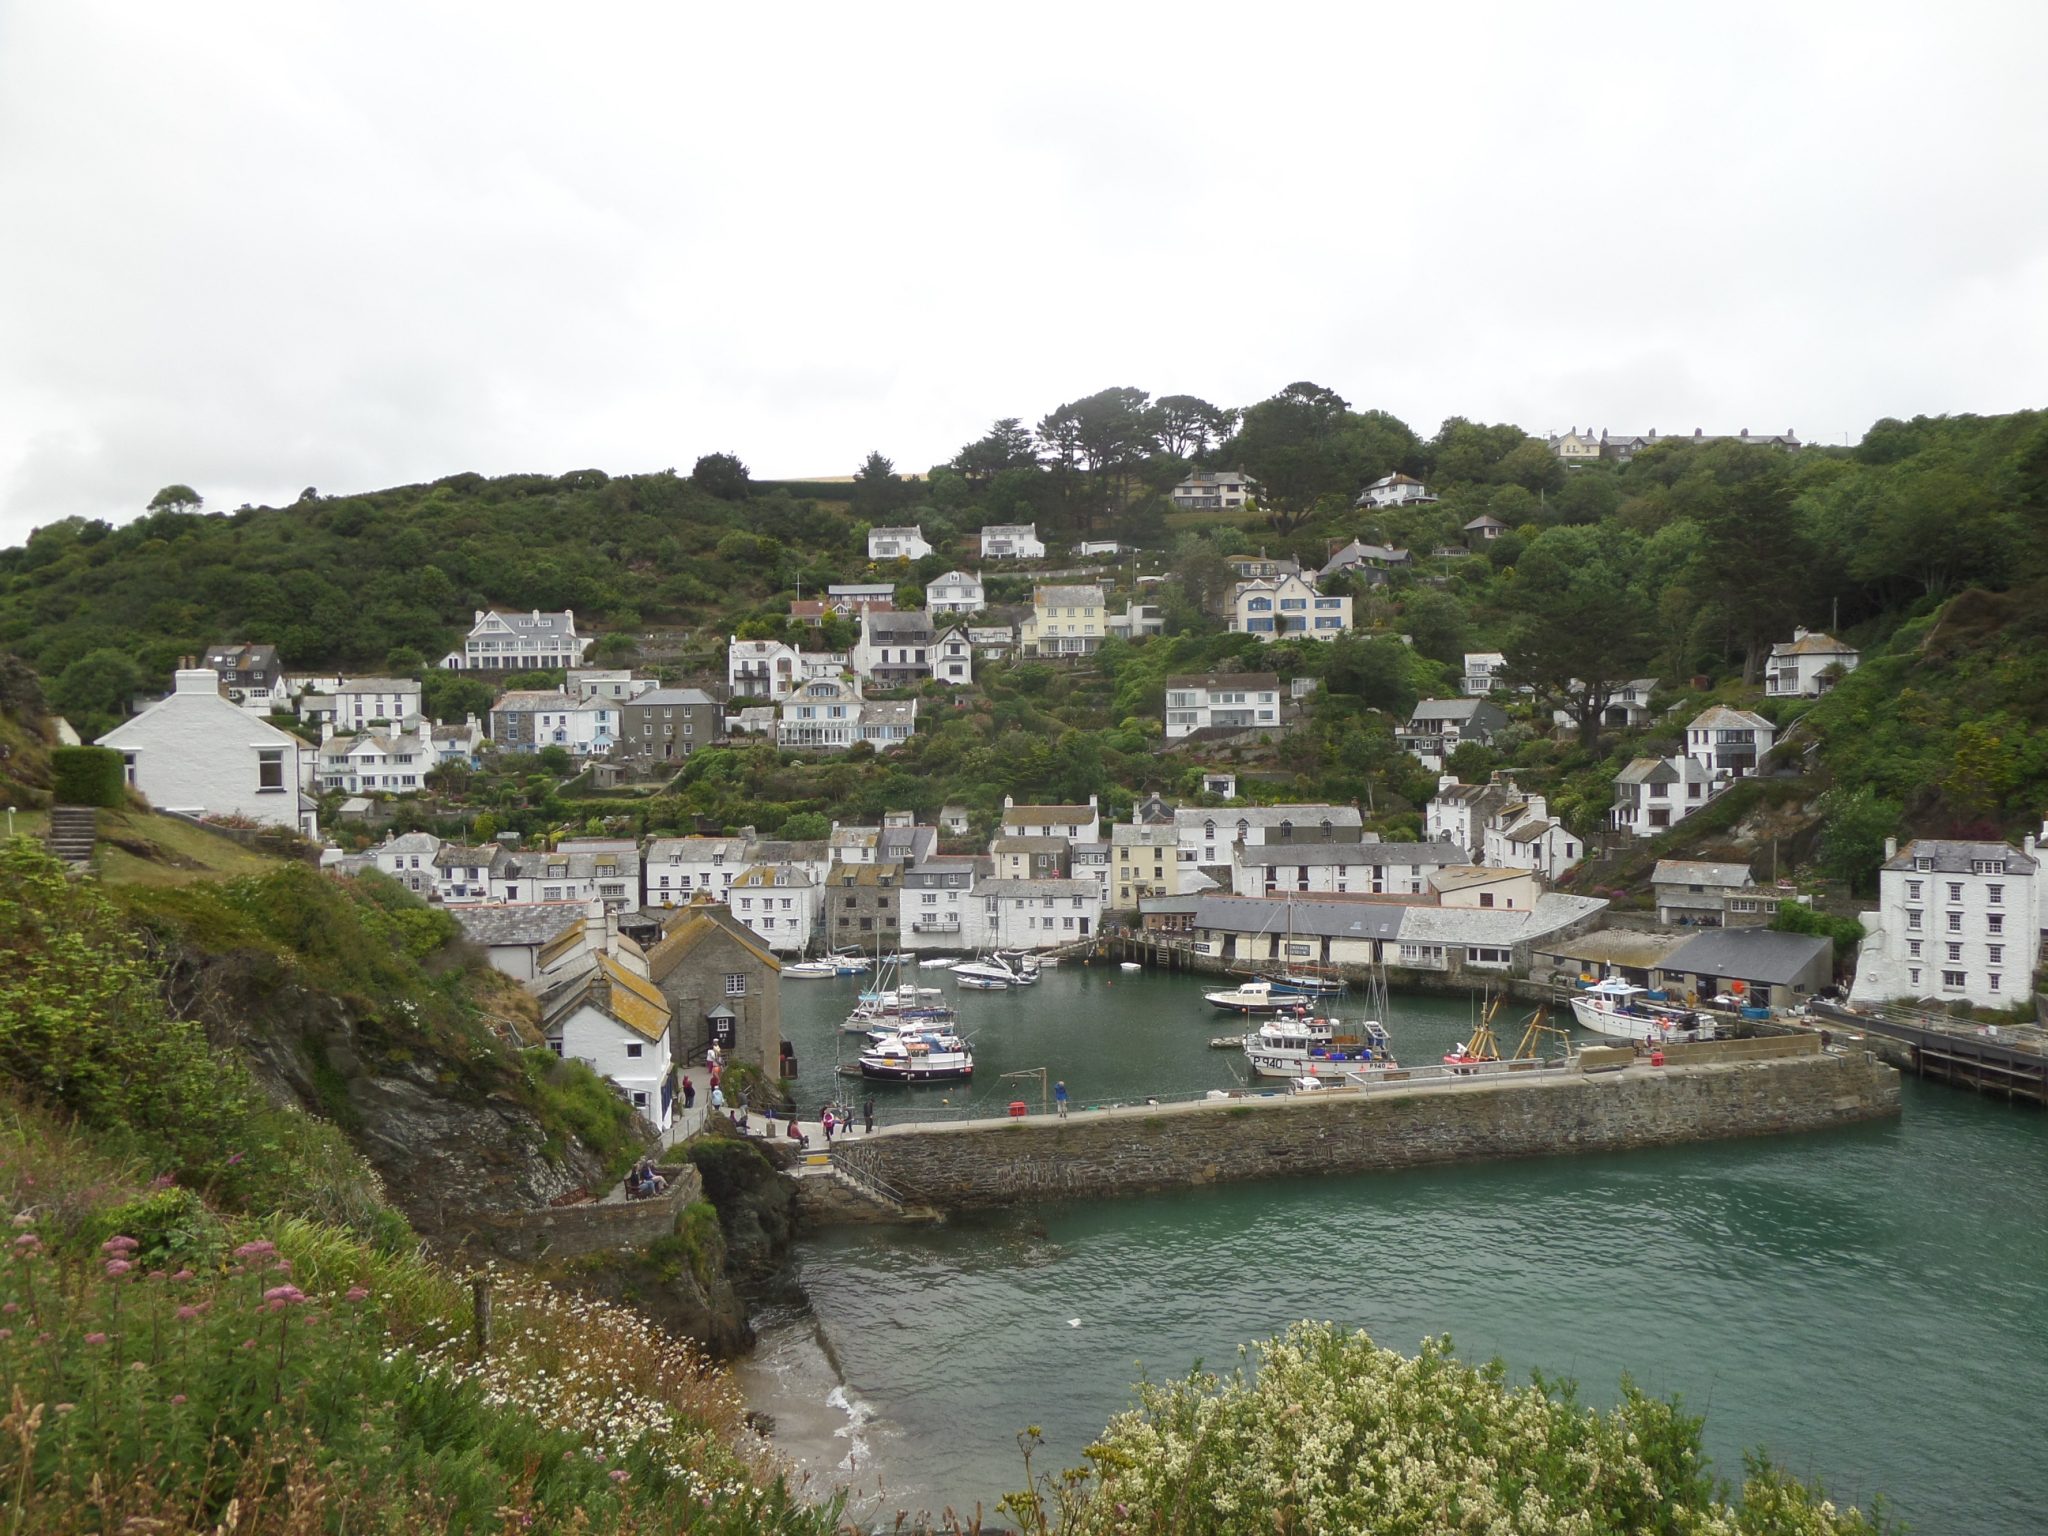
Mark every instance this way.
x=88 y=776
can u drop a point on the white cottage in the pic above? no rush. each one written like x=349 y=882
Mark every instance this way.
x=1807 y=665
x=198 y=753
x=953 y=593
x=898 y=543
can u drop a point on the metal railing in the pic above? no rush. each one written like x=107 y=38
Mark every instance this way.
x=867 y=1181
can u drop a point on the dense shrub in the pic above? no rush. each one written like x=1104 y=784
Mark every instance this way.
x=88 y=776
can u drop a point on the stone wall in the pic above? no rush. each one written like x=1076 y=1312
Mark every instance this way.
x=1148 y=1148
x=564 y=1231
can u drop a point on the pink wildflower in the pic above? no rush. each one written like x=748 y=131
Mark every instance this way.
x=234 y=1158
x=283 y=1266
x=178 y=1397
x=6 y=1334
x=618 y=1474
x=186 y=1313
x=118 y=1266
x=28 y=1242
x=356 y=1293
x=248 y=1344
x=95 y=1338
x=11 y=1308
x=119 y=1246
x=263 y=1248
x=280 y=1296
x=183 y=1274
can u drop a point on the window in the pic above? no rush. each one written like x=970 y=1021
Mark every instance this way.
x=1953 y=979
x=1955 y=952
x=1913 y=948
x=270 y=770
x=1995 y=895
x=1955 y=890
x=1994 y=922
x=735 y=983
x=1955 y=922
x=551 y=893
x=1993 y=981
x=1913 y=975
x=635 y=1050
x=1912 y=890
x=1913 y=920
x=639 y=1099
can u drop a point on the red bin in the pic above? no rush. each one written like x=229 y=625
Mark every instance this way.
x=1018 y=1109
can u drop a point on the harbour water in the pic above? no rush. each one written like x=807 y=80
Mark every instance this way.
x=1869 y=1306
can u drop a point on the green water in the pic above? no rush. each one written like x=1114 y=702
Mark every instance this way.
x=1869 y=1305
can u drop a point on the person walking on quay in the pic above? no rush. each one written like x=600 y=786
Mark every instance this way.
x=867 y=1115
x=1059 y=1096
x=717 y=1099
x=689 y=1092
x=827 y=1123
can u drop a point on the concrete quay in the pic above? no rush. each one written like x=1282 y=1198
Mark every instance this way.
x=1706 y=1092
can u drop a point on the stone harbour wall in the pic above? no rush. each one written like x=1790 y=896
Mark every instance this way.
x=1143 y=1149
x=565 y=1231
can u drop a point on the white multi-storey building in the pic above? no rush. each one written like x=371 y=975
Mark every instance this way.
x=1729 y=743
x=378 y=762
x=1207 y=836
x=1285 y=607
x=1239 y=700
x=361 y=702
x=1224 y=490
x=1482 y=672
x=1523 y=835
x=1956 y=921
x=409 y=858
x=520 y=642
x=1064 y=621
x=780 y=903
x=1031 y=914
x=1807 y=665
x=1011 y=541
x=954 y=592
x=1654 y=794
x=935 y=897
x=679 y=869
x=898 y=543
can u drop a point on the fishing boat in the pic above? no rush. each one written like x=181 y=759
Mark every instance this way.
x=1298 y=1047
x=1623 y=1011
x=1308 y=981
x=1129 y=965
x=1257 y=997
x=939 y=963
x=918 y=1056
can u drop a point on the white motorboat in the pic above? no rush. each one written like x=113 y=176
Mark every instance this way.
x=1024 y=966
x=918 y=1056
x=1130 y=965
x=1313 y=1047
x=990 y=973
x=1623 y=1011
x=941 y=963
x=809 y=970
x=1257 y=997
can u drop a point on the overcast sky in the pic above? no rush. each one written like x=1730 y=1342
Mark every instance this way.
x=258 y=247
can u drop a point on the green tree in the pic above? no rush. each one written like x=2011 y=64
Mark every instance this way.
x=1188 y=426
x=554 y=758
x=1854 y=826
x=1584 y=627
x=404 y=661
x=878 y=491
x=93 y=692
x=1009 y=445
x=176 y=498
x=723 y=475
x=807 y=827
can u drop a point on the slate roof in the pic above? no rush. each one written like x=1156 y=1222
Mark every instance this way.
x=508 y=925
x=1051 y=887
x=682 y=940
x=1749 y=954
x=670 y=697
x=1456 y=709
x=1721 y=718
x=911 y=532
x=1665 y=770
x=1228 y=816
x=1044 y=597
x=1813 y=644
x=1484 y=520
x=1955 y=858
x=1310 y=919
x=789 y=877
x=1301 y=854
x=913 y=625
x=1699 y=872
x=695 y=850
x=1048 y=815
x=1443 y=853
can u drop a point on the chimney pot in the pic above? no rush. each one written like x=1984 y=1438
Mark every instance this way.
x=1891 y=849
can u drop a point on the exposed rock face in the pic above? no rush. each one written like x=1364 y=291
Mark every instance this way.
x=449 y=1137
x=757 y=1211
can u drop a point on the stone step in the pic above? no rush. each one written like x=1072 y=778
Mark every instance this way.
x=72 y=832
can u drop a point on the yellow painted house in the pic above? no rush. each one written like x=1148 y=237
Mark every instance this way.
x=1064 y=621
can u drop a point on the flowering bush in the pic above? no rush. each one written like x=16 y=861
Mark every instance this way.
x=1333 y=1433
x=300 y=1379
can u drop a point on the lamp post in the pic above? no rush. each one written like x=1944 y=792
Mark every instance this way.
x=10 y=821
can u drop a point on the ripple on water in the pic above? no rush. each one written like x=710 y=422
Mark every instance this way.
x=1870 y=1305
